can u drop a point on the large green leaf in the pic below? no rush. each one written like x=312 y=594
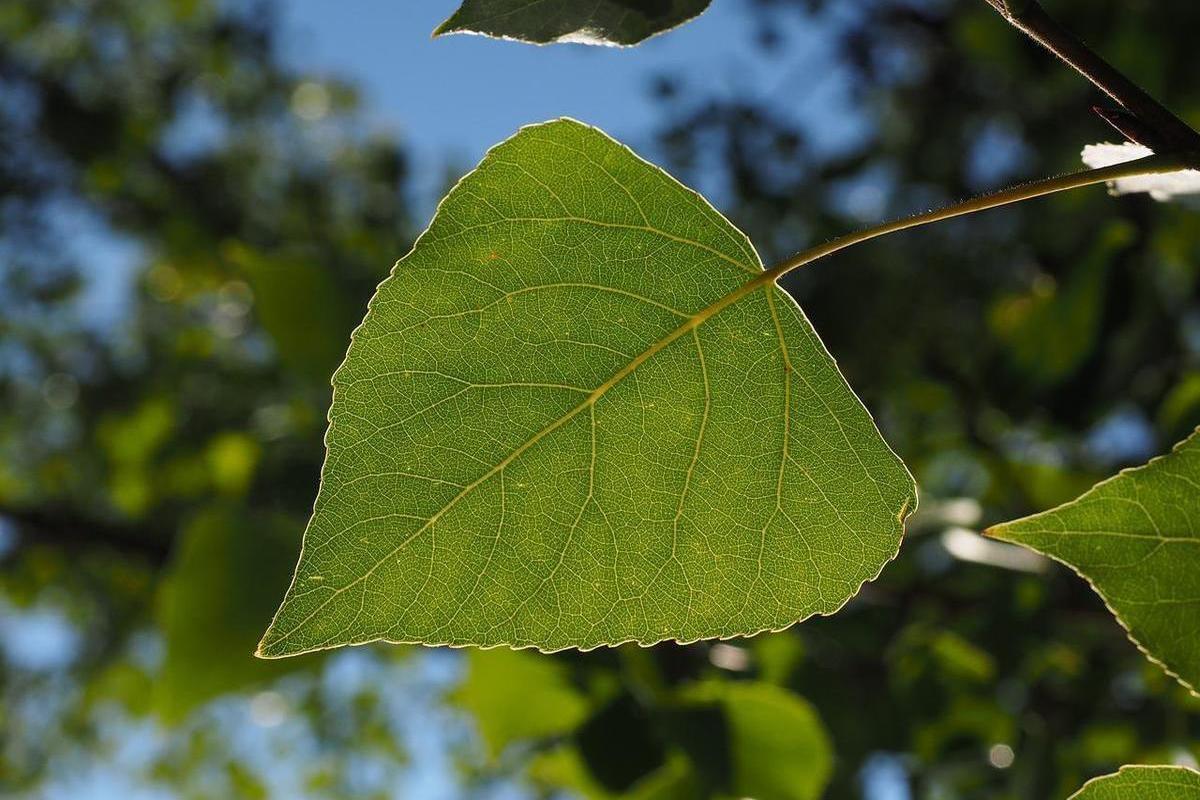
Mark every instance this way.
x=1143 y=783
x=1136 y=538
x=578 y=413
x=610 y=22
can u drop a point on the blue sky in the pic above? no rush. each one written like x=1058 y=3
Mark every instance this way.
x=451 y=98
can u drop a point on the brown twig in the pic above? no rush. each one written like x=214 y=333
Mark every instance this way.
x=1142 y=118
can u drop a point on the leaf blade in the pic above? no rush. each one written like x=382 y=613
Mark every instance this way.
x=1131 y=537
x=1139 y=782
x=607 y=22
x=569 y=318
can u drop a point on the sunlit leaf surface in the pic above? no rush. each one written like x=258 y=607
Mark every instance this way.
x=1136 y=539
x=604 y=22
x=576 y=415
x=1143 y=783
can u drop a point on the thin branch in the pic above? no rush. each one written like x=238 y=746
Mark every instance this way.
x=1026 y=191
x=1156 y=127
x=1142 y=166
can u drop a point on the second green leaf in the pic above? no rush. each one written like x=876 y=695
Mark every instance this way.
x=1136 y=539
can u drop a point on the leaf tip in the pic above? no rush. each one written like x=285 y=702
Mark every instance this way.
x=449 y=25
x=1010 y=532
x=270 y=647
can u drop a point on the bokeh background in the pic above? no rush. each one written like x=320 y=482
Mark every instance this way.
x=197 y=198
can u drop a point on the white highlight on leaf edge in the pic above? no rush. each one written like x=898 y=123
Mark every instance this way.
x=1162 y=187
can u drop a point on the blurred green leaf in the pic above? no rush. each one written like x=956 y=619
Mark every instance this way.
x=1134 y=538
x=1180 y=409
x=232 y=457
x=620 y=744
x=965 y=718
x=604 y=22
x=1051 y=330
x=577 y=415
x=515 y=695
x=219 y=589
x=754 y=740
x=777 y=655
x=565 y=768
x=1137 y=782
x=942 y=655
x=302 y=307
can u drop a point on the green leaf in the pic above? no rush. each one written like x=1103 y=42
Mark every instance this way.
x=579 y=413
x=515 y=696
x=564 y=768
x=1136 y=539
x=767 y=743
x=606 y=22
x=1050 y=331
x=1143 y=783
x=724 y=739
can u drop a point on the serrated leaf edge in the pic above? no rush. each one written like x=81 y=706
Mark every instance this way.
x=446 y=28
x=1131 y=768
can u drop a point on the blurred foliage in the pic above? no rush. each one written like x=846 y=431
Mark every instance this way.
x=213 y=599
x=156 y=468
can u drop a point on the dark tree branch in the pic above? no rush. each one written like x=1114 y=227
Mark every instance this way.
x=1153 y=124
x=70 y=532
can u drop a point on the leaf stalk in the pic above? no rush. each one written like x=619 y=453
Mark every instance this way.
x=1148 y=165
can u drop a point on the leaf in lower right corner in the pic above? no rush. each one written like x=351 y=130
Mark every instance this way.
x=1143 y=783
x=604 y=22
x=1136 y=538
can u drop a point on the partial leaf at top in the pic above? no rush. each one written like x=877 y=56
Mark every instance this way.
x=1137 y=782
x=1136 y=538
x=577 y=414
x=605 y=22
